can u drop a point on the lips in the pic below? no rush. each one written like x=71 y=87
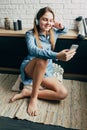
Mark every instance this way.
x=48 y=26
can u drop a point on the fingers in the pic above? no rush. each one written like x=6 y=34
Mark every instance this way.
x=69 y=56
x=66 y=55
x=58 y=25
x=70 y=53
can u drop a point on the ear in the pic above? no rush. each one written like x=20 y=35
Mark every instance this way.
x=37 y=22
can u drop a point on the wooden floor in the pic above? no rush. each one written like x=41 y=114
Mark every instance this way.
x=70 y=113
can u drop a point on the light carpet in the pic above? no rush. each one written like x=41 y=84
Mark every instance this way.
x=68 y=113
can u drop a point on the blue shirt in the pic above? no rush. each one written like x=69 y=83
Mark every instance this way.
x=44 y=53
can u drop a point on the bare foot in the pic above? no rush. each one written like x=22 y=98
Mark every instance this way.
x=24 y=93
x=32 y=108
x=16 y=97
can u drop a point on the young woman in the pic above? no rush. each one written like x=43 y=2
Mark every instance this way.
x=37 y=67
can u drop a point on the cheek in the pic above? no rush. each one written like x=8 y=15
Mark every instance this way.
x=52 y=24
x=42 y=25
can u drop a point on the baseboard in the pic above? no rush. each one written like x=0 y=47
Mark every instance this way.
x=75 y=77
x=9 y=70
x=70 y=76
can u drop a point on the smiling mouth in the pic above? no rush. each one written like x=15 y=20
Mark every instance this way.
x=48 y=26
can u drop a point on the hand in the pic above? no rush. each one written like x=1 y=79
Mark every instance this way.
x=58 y=25
x=66 y=55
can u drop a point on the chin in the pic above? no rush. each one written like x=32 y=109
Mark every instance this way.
x=47 y=29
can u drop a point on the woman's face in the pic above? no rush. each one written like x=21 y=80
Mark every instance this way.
x=46 y=22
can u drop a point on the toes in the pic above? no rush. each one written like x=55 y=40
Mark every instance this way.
x=34 y=113
x=11 y=100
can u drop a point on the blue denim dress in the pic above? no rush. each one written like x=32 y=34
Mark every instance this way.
x=44 y=53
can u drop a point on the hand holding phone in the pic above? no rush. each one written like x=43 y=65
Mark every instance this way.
x=74 y=46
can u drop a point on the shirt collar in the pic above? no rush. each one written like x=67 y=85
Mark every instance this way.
x=43 y=36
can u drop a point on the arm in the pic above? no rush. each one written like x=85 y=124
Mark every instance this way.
x=38 y=52
x=64 y=55
x=60 y=28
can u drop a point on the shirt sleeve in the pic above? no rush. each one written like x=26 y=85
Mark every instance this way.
x=58 y=32
x=38 y=52
x=61 y=31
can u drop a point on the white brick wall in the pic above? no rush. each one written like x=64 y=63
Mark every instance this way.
x=65 y=10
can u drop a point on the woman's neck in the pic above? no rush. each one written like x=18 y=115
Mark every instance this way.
x=45 y=32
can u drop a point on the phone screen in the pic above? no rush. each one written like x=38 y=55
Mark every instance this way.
x=73 y=46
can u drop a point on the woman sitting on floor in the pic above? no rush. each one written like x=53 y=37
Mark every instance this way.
x=37 y=66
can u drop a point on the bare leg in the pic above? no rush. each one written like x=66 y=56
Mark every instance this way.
x=24 y=93
x=35 y=69
x=38 y=74
x=55 y=90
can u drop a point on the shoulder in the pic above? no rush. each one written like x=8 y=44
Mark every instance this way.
x=30 y=38
x=29 y=33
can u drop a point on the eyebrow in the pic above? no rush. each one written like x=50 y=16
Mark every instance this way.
x=47 y=18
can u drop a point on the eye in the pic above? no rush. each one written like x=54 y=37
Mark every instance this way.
x=45 y=19
x=51 y=20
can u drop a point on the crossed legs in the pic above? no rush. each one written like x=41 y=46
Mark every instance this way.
x=54 y=90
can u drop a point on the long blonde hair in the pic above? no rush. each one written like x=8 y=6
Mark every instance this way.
x=36 y=29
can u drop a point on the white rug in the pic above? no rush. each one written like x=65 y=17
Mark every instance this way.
x=70 y=113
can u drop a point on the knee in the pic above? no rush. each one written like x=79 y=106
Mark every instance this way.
x=63 y=93
x=24 y=92
x=41 y=63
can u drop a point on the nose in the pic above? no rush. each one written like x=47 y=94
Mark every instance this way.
x=48 y=22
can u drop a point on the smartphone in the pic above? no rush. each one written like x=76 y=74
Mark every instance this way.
x=74 y=46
